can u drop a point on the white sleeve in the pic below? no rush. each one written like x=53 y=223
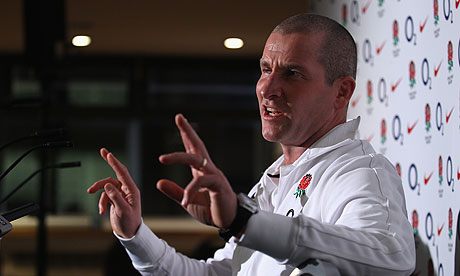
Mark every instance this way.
x=369 y=235
x=151 y=255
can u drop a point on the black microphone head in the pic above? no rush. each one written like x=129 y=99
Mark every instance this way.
x=63 y=144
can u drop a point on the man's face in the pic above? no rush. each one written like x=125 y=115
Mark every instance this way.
x=296 y=104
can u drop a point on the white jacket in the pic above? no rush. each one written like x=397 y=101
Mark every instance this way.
x=352 y=214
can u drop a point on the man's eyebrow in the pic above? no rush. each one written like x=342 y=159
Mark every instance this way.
x=294 y=66
x=264 y=63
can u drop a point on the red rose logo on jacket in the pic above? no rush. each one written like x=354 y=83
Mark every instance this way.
x=304 y=182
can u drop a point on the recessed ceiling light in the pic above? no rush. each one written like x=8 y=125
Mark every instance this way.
x=233 y=43
x=81 y=40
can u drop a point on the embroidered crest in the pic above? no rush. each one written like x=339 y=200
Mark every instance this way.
x=303 y=185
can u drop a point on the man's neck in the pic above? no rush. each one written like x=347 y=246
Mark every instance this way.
x=292 y=153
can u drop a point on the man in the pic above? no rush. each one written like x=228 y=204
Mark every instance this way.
x=329 y=197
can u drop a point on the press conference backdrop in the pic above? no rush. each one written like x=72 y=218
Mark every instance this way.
x=408 y=98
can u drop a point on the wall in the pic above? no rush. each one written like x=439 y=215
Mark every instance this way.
x=408 y=98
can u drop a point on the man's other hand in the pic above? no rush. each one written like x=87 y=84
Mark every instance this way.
x=123 y=196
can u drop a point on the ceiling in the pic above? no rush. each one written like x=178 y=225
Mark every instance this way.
x=149 y=27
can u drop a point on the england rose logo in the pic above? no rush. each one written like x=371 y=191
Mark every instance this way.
x=440 y=169
x=369 y=91
x=412 y=74
x=436 y=12
x=450 y=53
x=383 y=131
x=304 y=182
x=427 y=118
x=395 y=33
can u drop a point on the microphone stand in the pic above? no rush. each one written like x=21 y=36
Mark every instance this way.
x=48 y=133
x=45 y=145
x=55 y=166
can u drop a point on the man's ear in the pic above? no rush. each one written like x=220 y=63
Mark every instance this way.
x=344 y=87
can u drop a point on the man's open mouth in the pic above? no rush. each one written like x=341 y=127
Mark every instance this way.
x=272 y=112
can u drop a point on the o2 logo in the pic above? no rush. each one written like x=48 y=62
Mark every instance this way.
x=410 y=30
x=458 y=52
x=439 y=122
x=449 y=173
x=426 y=78
x=429 y=227
x=382 y=89
x=413 y=178
x=367 y=52
x=440 y=270
x=448 y=12
x=354 y=12
x=397 y=133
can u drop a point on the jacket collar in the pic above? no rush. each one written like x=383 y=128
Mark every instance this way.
x=335 y=138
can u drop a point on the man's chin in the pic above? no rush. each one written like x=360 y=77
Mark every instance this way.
x=270 y=137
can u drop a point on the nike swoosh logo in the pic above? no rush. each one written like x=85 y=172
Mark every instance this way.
x=457 y=2
x=458 y=173
x=440 y=229
x=379 y=49
x=436 y=70
x=448 y=115
x=393 y=87
x=427 y=179
x=410 y=128
x=422 y=26
x=366 y=6
x=355 y=101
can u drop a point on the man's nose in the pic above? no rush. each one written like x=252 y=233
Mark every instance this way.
x=271 y=87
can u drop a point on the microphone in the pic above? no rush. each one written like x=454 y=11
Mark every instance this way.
x=67 y=144
x=46 y=133
x=55 y=166
x=8 y=216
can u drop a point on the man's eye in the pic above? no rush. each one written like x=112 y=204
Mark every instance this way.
x=294 y=73
x=266 y=70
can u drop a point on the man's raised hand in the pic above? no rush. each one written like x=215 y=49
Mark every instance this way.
x=123 y=196
x=208 y=197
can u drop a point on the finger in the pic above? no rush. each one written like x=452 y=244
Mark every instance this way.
x=100 y=184
x=205 y=181
x=192 y=160
x=171 y=190
x=104 y=152
x=116 y=198
x=122 y=173
x=191 y=140
x=103 y=201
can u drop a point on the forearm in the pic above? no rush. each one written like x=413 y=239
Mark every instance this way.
x=153 y=256
x=355 y=252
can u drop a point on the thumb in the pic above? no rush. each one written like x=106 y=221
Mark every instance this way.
x=115 y=197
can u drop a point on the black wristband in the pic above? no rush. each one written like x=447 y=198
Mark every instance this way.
x=243 y=213
x=241 y=218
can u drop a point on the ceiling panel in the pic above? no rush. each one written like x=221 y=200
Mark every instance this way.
x=148 y=27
